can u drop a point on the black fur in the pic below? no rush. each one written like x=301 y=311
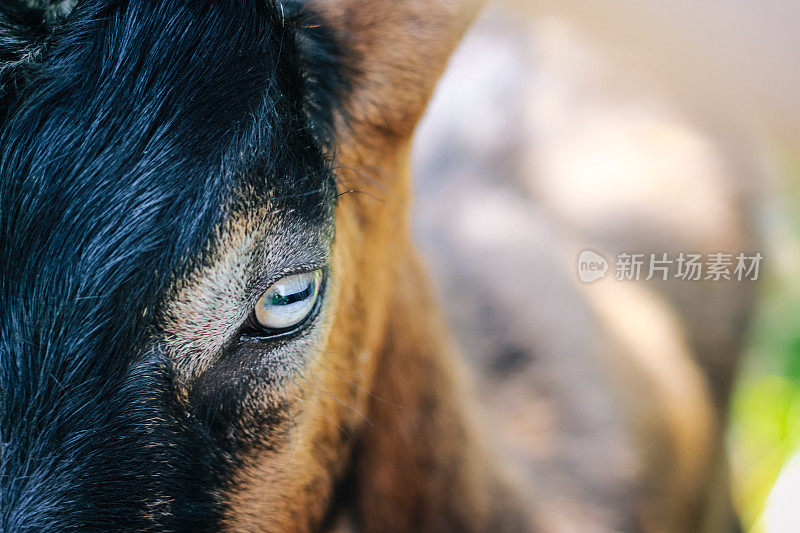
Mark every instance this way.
x=22 y=32
x=129 y=131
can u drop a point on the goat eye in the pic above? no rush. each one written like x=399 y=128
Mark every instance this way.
x=288 y=301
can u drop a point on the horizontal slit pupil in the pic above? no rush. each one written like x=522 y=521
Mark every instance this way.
x=288 y=299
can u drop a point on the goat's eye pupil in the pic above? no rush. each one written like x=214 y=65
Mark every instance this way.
x=288 y=301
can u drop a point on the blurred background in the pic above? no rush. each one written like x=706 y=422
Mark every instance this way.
x=629 y=126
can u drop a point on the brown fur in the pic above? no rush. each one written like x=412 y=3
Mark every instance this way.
x=290 y=489
x=382 y=405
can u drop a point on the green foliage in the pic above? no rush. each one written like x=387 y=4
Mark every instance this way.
x=765 y=433
x=765 y=413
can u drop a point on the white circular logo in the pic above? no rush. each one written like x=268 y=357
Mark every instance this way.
x=591 y=266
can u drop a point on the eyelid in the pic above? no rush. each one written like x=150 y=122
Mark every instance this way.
x=270 y=278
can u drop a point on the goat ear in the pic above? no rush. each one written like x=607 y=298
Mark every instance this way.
x=393 y=52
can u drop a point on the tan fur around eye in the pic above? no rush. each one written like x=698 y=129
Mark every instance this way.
x=206 y=309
